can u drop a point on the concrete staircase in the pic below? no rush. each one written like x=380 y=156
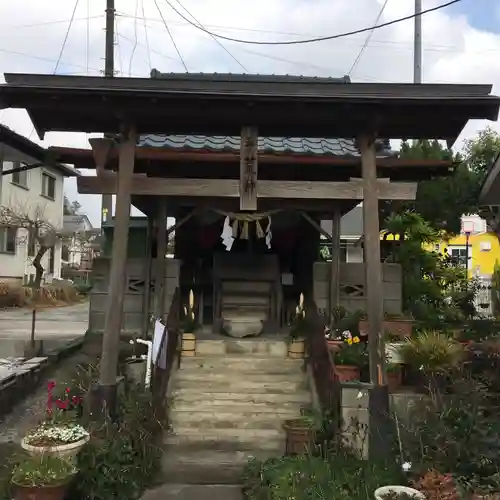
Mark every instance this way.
x=229 y=403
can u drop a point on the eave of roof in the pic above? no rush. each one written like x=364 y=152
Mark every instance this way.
x=33 y=150
x=490 y=189
x=219 y=104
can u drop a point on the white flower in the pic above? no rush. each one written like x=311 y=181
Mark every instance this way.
x=360 y=395
x=346 y=334
x=406 y=466
x=57 y=433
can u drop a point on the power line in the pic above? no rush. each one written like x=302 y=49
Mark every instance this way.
x=223 y=47
x=367 y=41
x=62 y=48
x=48 y=23
x=312 y=40
x=135 y=38
x=87 y=51
x=146 y=35
x=171 y=36
x=399 y=45
x=66 y=36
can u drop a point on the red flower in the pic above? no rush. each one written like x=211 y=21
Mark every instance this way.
x=68 y=390
x=62 y=405
x=51 y=385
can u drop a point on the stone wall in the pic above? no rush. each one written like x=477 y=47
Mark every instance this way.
x=133 y=303
x=352 y=286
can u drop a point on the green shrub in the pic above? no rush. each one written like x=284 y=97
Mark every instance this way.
x=122 y=458
x=341 y=476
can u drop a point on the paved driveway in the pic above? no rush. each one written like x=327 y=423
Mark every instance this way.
x=54 y=326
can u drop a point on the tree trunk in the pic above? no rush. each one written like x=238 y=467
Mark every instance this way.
x=37 y=264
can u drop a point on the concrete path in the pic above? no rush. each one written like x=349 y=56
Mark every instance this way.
x=54 y=326
x=194 y=492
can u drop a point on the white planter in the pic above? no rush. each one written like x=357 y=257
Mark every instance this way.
x=392 y=352
x=67 y=451
x=385 y=490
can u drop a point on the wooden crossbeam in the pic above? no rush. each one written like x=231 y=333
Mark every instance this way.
x=229 y=188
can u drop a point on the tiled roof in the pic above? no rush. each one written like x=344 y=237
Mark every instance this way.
x=270 y=145
x=248 y=77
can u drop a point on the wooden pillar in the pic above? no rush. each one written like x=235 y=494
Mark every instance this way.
x=147 y=280
x=335 y=269
x=248 y=168
x=373 y=267
x=161 y=250
x=101 y=147
x=117 y=277
x=380 y=423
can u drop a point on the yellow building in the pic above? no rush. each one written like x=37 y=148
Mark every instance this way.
x=484 y=248
x=484 y=252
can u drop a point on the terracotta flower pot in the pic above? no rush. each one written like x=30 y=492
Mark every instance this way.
x=399 y=327
x=299 y=437
x=394 y=380
x=334 y=345
x=347 y=373
x=41 y=492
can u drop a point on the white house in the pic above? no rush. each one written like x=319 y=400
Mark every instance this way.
x=78 y=251
x=38 y=192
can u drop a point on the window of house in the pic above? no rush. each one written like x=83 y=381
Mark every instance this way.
x=8 y=237
x=19 y=178
x=458 y=254
x=48 y=186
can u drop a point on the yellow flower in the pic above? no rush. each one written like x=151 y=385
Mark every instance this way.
x=349 y=341
x=355 y=340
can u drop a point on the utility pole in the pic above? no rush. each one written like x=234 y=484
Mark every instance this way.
x=417 y=41
x=109 y=72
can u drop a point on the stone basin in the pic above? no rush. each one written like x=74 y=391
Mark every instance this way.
x=242 y=325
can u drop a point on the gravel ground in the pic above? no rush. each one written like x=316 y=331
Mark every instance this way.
x=28 y=413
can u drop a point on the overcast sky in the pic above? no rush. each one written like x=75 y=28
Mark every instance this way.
x=461 y=45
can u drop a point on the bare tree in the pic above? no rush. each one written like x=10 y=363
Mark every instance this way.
x=39 y=233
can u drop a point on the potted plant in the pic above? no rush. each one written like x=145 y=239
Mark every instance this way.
x=189 y=325
x=340 y=322
x=300 y=434
x=350 y=358
x=42 y=477
x=397 y=324
x=392 y=347
x=58 y=434
x=433 y=354
x=394 y=376
x=298 y=331
x=436 y=486
x=398 y=493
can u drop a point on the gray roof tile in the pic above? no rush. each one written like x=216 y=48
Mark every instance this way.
x=271 y=145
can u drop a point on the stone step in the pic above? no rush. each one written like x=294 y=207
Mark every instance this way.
x=244 y=300
x=207 y=377
x=248 y=347
x=189 y=466
x=268 y=386
x=278 y=408
x=226 y=398
x=230 y=419
x=243 y=364
x=227 y=439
